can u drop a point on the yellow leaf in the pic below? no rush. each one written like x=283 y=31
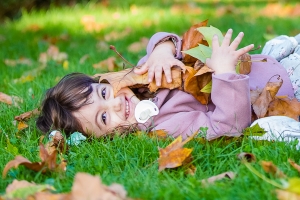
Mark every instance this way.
x=66 y=65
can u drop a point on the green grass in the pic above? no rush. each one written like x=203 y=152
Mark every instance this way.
x=131 y=161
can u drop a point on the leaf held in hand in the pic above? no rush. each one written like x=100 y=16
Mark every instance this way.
x=191 y=39
x=209 y=32
x=200 y=52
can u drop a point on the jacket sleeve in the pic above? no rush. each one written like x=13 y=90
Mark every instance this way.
x=229 y=114
x=155 y=39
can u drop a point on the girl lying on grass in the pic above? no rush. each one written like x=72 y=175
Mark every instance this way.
x=79 y=103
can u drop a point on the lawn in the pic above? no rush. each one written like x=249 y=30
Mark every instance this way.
x=83 y=33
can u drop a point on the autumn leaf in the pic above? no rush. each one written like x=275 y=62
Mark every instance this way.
x=261 y=104
x=109 y=63
x=269 y=167
x=56 y=142
x=27 y=115
x=48 y=162
x=174 y=154
x=196 y=81
x=213 y=179
x=295 y=165
x=209 y=32
x=191 y=39
x=95 y=189
x=255 y=130
x=22 y=125
x=90 y=25
x=200 y=52
x=244 y=64
x=10 y=100
x=138 y=46
x=20 y=61
x=127 y=78
x=249 y=157
x=284 y=106
x=286 y=195
x=23 y=189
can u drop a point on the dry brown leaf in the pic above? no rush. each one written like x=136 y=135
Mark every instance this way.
x=284 y=106
x=249 y=157
x=254 y=94
x=109 y=63
x=48 y=162
x=230 y=175
x=22 y=125
x=138 y=46
x=127 y=78
x=295 y=165
x=174 y=154
x=90 y=24
x=194 y=81
x=245 y=64
x=21 y=61
x=191 y=39
x=269 y=167
x=95 y=190
x=10 y=99
x=27 y=115
x=159 y=134
x=260 y=106
x=16 y=184
x=286 y=195
x=84 y=58
x=56 y=142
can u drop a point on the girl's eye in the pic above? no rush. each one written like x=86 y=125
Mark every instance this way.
x=104 y=118
x=103 y=92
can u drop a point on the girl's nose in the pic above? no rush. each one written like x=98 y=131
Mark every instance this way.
x=117 y=104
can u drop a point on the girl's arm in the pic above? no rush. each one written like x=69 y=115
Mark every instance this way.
x=162 y=55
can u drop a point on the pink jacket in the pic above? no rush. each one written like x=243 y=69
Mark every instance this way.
x=230 y=111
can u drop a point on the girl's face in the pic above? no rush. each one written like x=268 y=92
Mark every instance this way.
x=105 y=112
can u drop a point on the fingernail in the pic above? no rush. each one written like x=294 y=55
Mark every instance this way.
x=169 y=80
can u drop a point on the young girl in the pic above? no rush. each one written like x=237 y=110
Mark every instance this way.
x=80 y=103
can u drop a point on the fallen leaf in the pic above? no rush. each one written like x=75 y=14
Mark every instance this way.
x=269 y=167
x=95 y=189
x=84 y=58
x=29 y=76
x=295 y=165
x=159 y=134
x=229 y=175
x=284 y=106
x=56 y=142
x=10 y=100
x=249 y=157
x=255 y=130
x=286 y=195
x=48 y=162
x=27 y=115
x=191 y=39
x=138 y=46
x=23 y=189
x=11 y=148
x=174 y=154
x=260 y=106
x=21 y=61
x=22 y=125
x=90 y=25
x=109 y=63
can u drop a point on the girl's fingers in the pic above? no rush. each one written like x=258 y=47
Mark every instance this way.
x=141 y=70
x=227 y=38
x=158 y=73
x=150 y=74
x=235 y=43
x=215 y=42
x=244 y=50
x=167 y=71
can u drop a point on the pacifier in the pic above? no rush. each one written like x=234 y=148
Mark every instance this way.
x=144 y=110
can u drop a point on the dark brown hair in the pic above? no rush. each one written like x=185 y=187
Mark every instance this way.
x=69 y=95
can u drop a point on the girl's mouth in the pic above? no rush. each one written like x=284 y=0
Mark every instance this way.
x=127 y=110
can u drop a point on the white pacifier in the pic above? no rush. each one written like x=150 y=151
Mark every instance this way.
x=144 y=110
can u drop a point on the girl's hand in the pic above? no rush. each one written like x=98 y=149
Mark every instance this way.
x=224 y=57
x=160 y=61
